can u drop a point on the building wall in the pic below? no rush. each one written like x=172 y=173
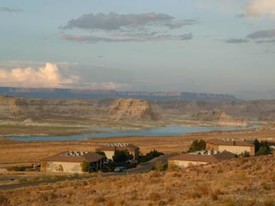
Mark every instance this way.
x=109 y=154
x=237 y=149
x=211 y=147
x=185 y=163
x=252 y=151
x=69 y=167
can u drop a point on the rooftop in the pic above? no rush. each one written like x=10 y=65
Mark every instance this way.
x=75 y=156
x=204 y=158
x=229 y=142
x=117 y=146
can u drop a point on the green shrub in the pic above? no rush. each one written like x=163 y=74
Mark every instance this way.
x=149 y=156
x=246 y=154
x=264 y=148
x=197 y=145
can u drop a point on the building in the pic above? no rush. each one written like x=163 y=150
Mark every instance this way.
x=186 y=160
x=72 y=162
x=233 y=146
x=109 y=149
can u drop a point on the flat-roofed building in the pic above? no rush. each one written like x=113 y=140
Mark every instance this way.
x=234 y=146
x=72 y=162
x=186 y=160
x=109 y=149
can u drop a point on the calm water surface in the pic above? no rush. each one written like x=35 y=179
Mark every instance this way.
x=160 y=131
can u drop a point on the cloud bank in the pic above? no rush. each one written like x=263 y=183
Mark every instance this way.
x=113 y=21
x=114 y=27
x=260 y=8
x=125 y=38
x=9 y=10
x=236 y=41
x=262 y=34
x=47 y=76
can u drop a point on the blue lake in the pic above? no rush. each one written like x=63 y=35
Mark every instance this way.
x=160 y=131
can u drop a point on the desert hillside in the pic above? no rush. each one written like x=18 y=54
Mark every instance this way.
x=263 y=110
x=244 y=181
x=219 y=118
x=131 y=113
x=132 y=109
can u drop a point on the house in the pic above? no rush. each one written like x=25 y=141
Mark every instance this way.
x=236 y=147
x=186 y=160
x=109 y=149
x=72 y=162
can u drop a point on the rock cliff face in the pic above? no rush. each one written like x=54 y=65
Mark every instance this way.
x=219 y=118
x=132 y=109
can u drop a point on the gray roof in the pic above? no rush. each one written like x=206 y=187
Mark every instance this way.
x=77 y=157
x=229 y=142
x=204 y=158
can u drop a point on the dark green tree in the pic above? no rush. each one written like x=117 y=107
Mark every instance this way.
x=257 y=145
x=150 y=155
x=197 y=145
x=264 y=149
x=122 y=156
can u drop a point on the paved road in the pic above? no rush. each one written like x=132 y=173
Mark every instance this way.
x=147 y=166
x=141 y=168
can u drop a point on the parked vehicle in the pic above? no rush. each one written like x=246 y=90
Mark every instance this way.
x=120 y=169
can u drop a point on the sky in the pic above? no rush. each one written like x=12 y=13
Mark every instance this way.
x=211 y=46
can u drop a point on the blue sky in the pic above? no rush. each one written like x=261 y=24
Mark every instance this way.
x=215 y=46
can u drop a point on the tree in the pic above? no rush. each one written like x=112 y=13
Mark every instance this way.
x=197 y=145
x=150 y=155
x=264 y=149
x=257 y=145
x=122 y=156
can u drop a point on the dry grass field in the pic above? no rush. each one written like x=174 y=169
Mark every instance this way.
x=244 y=182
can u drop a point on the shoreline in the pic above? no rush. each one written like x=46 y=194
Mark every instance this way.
x=180 y=130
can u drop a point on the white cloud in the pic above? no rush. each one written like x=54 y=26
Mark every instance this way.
x=47 y=76
x=260 y=7
x=110 y=85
